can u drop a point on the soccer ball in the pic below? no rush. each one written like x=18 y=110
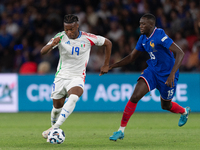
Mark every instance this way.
x=56 y=136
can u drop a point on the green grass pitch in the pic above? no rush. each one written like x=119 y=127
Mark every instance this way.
x=91 y=131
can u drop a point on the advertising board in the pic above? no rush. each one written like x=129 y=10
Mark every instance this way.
x=109 y=92
x=8 y=93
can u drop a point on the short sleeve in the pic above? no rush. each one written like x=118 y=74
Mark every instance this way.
x=95 y=39
x=139 y=46
x=164 y=40
x=100 y=41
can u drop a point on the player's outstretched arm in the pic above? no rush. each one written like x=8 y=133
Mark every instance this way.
x=108 y=47
x=126 y=60
x=48 y=48
x=179 y=54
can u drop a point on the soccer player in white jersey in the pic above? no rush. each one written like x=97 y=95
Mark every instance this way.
x=74 y=48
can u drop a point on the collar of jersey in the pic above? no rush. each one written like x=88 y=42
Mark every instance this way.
x=152 y=33
x=80 y=33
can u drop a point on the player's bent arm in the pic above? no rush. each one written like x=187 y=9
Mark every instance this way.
x=179 y=54
x=127 y=60
x=46 y=49
x=108 y=46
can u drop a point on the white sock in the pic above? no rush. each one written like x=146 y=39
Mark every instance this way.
x=66 y=110
x=185 y=112
x=55 y=112
x=122 y=129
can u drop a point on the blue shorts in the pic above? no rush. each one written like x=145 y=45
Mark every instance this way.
x=153 y=80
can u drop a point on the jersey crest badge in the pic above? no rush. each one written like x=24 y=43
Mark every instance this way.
x=82 y=44
x=152 y=45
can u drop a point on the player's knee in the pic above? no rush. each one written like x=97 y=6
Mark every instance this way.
x=135 y=98
x=166 y=107
x=57 y=105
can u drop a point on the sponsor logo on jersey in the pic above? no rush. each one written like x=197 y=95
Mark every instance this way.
x=68 y=42
x=82 y=43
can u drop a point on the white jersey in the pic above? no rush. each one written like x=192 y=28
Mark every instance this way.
x=74 y=53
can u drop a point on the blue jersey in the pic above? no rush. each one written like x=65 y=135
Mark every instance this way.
x=157 y=45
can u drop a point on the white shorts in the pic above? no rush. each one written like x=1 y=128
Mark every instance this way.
x=62 y=86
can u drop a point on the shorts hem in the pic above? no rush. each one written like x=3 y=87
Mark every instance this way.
x=56 y=98
x=145 y=82
x=166 y=99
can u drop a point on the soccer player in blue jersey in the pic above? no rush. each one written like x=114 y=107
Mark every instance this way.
x=162 y=72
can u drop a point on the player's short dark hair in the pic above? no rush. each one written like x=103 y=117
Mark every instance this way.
x=149 y=16
x=70 y=18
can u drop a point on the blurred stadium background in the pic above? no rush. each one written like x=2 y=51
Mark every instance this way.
x=27 y=25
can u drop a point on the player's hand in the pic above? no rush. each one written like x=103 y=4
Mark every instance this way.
x=170 y=80
x=55 y=41
x=110 y=67
x=104 y=69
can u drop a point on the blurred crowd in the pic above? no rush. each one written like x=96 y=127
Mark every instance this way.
x=27 y=25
